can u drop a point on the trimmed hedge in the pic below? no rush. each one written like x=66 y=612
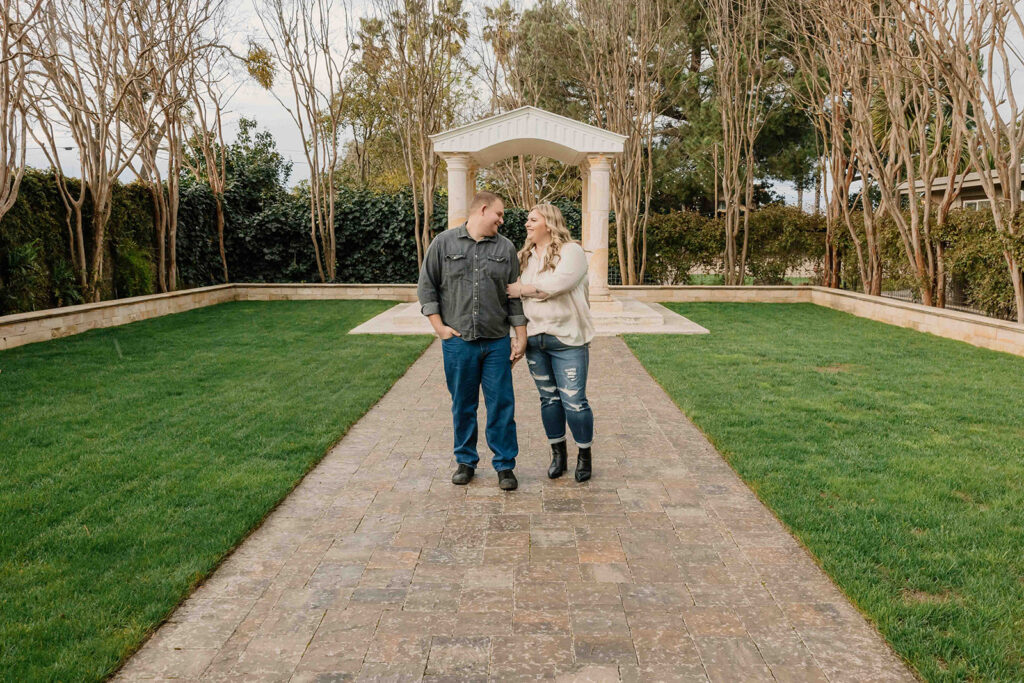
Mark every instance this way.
x=975 y=262
x=266 y=237
x=782 y=238
x=977 y=276
x=267 y=240
x=36 y=270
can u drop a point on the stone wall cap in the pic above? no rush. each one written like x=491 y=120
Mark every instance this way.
x=950 y=314
x=320 y=285
x=85 y=308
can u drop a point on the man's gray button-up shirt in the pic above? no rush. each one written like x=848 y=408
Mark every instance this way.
x=464 y=281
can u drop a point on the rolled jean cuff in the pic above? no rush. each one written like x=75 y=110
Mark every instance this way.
x=585 y=445
x=552 y=442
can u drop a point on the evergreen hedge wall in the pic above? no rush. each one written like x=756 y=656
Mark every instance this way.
x=35 y=258
x=267 y=240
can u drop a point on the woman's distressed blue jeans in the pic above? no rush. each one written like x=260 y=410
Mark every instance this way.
x=560 y=373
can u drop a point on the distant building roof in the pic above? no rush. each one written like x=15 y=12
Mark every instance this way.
x=972 y=179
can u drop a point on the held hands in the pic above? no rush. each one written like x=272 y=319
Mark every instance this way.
x=518 y=350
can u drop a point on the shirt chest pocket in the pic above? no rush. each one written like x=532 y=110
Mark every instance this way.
x=496 y=268
x=455 y=267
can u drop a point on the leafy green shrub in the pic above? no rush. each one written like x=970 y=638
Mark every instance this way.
x=680 y=241
x=23 y=278
x=975 y=264
x=64 y=288
x=198 y=250
x=134 y=273
x=783 y=238
x=37 y=218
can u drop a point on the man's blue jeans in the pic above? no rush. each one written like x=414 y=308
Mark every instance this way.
x=468 y=365
x=560 y=373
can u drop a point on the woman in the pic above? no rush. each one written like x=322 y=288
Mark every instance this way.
x=553 y=287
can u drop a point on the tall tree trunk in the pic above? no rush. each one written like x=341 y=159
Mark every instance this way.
x=1017 y=278
x=220 y=235
x=874 y=267
x=817 y=190
x=157 y=196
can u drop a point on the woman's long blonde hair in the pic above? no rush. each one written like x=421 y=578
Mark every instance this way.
x=559 y=235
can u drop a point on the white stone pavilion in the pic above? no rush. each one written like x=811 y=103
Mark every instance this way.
x=529 y=130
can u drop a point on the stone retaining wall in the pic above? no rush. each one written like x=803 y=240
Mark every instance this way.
x=26 y=328
x=714 y=293
x=978 y=330
x=313 y=292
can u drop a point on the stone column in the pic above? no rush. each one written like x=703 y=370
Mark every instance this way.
x=458 y=183
x=585 y=218
x=470 y=185
x=595 y=243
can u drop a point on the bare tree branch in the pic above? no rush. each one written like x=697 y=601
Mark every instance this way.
x=15 y=22
x=304 y=39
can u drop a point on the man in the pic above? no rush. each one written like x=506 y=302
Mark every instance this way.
x=462 y=292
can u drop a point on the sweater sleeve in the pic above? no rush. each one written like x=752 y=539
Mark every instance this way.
x=570 y=269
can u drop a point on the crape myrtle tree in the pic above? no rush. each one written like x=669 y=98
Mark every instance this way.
x=888 y=117
x=971 y=47
x=740 y=47
x=15 y=61
x=416 y=50
x=89 y=55
x=817 y=43
x=206 y=152
x=619 y=57
x=310 y=42
x=907 y=134
x=364 y=112
x=188 y=29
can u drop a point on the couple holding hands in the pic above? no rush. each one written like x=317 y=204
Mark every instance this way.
x=473 y=287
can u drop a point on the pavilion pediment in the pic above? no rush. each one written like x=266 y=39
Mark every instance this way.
x=527 y=130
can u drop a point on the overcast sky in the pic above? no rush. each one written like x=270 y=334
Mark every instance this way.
x=251 y=101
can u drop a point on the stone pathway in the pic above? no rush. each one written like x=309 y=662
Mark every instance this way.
x=663 y=567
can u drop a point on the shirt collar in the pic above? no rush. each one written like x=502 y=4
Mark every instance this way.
x=463 y=231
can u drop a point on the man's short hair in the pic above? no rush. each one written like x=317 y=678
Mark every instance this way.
x=484 y=198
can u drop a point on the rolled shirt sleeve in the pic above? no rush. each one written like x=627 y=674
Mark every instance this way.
x=516 y=317
x=428 y=289
x=570 y=269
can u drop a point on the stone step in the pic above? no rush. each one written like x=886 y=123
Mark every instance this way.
x=618 y=316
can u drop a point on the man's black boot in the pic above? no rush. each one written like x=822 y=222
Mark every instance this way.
x=583 y=465
x=507 y=480
x=462 y=475
x=559 y=460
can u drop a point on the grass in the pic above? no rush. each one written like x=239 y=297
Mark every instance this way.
x=897 y=457
x=134 y=458
x=713 y=279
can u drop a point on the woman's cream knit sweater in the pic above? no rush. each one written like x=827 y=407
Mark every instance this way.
x=564 y=312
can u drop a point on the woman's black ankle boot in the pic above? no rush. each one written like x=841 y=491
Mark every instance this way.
x=583 y=465
x=559 y=460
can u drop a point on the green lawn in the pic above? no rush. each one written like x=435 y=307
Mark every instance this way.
x=132 y=459
x=897 y=457
x=712 y=279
